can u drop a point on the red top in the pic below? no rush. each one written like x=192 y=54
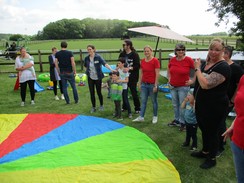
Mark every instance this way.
x=148 y=70
x=238 y=131
x=180 y=70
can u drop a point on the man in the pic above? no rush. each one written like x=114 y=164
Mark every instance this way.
x=133 y=64
x=65 y=65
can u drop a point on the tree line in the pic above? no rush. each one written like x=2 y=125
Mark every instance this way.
x=88 y=28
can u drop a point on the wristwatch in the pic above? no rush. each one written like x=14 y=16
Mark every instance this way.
x=197 y=69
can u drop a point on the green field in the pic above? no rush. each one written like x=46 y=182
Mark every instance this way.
x=169 y=139
x=100 y=44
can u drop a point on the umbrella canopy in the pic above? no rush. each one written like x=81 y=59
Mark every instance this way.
x=160 y=32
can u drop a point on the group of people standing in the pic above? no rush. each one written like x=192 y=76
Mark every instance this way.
x=215 y=93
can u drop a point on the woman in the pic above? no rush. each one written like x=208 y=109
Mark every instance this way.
x=211 y=100
x=179 y=68
x=236 y=132
x=54 y=76
x=24 y=64
x=236 y=74
x=148 y=84
x=93 y=63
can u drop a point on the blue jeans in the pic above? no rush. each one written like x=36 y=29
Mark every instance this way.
x=65 y=78
x=146 y=91
x=178 y=94
x=238 y=154
x=126 y=100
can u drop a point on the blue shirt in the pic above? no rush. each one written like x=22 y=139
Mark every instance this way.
x=189 y=114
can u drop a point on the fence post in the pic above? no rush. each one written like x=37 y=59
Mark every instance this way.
x=160 y=57
x=40 y=60
x=81 y=60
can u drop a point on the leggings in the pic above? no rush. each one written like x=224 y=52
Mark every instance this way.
x=55 y=83
x=23 y=87
x=98 y=84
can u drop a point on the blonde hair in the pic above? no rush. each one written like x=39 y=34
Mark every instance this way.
x=149 y=47
x=216 y=41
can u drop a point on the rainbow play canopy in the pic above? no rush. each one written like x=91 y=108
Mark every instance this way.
x=72 y=148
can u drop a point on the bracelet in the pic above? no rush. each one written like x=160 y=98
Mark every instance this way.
x=197 y=69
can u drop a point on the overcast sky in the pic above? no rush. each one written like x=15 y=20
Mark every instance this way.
x=186 y=17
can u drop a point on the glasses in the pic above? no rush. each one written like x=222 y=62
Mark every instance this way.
x=180 y=49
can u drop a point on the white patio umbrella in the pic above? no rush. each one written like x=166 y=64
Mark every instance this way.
x=160 y=32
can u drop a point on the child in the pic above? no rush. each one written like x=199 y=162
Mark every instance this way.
x=124 y=78
x=191 y=122
x=26 y=61
x=116 y=94
x=109 y=84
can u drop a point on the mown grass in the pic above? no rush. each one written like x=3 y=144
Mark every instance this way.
x=168 y=139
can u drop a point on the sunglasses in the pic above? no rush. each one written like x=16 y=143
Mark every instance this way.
x=180 y=49
x=124 y=44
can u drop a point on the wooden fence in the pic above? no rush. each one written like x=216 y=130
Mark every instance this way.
x=41 y=58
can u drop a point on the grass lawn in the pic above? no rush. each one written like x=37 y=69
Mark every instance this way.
x=169 y=139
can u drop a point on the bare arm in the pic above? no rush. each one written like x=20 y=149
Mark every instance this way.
x=208 y=81
x=73 y=65
x=56 y=65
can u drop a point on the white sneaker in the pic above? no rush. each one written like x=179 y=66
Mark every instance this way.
x=155 y=119
x=32 y=102
x=62 y=96
x=56 y=97
x=138 y=119
x=22 y=104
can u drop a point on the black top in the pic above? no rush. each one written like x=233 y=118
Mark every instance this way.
x=64 y=60
x=236 y=73
x=132 y=60
x=217 y=93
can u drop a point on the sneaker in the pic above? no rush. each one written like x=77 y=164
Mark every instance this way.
x=130 y=116
x=137 y=112
x=209 y=163
x=22 y=104
x=199 y=154
x=119 y=118
x=174 y=123
x=123 y=110
x=93 y=110
x=219 y=153
x=32 y=102
x=185 y=144
x=138 y=119
x=56 y=97
x=155 y=119
x=62 y=97
x=193 y=149
x=101 y=108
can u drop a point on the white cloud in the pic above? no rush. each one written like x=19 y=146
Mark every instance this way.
x=184 y=17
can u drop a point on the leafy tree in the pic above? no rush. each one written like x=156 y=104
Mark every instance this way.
x=16 y=37
x=227 y=8
x=63 y=29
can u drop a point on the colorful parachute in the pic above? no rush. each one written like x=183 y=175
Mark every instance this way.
x=74 y=148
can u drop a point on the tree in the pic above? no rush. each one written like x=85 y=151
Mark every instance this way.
x=64 y=29
x=227 y=8
x=15 y=37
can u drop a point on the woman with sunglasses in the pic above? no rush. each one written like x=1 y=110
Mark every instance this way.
x=179 y=68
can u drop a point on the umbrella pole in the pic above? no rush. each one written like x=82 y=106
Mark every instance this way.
x=156 y=47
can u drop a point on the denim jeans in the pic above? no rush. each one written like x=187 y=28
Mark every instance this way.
x=126 y=100
x=178 y=94
x=238 y=154
x=146 y=91
x=65 y=78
